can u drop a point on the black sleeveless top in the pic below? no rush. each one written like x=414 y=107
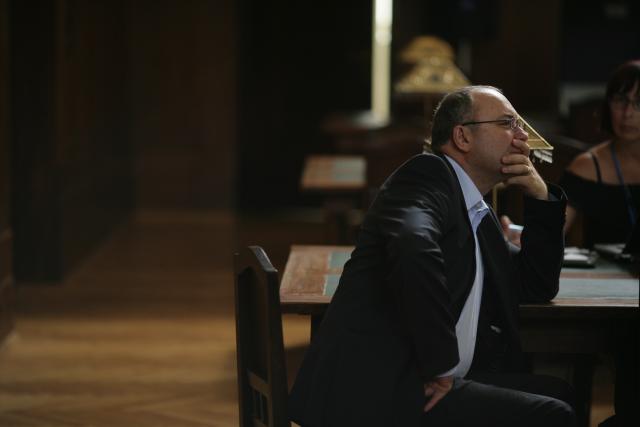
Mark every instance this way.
x=603 y=206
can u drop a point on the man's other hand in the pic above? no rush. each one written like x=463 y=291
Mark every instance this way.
x=511 y=231
x=436 y=390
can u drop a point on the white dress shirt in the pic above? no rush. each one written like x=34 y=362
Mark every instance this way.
x=467 y=325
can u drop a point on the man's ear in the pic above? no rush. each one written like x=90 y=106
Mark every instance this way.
x=461 y=138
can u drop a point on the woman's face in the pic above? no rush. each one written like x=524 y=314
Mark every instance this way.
x=625 y=114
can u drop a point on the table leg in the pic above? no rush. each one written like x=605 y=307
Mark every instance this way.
x=583 y=371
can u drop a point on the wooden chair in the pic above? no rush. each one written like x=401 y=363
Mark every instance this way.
x=262 y=377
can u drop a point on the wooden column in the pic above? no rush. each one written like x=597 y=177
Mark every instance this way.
x=6 y=279
x=70 y=150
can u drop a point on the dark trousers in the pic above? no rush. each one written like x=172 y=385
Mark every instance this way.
x=505 y=399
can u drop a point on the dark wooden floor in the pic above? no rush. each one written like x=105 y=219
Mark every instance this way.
x=142 y=333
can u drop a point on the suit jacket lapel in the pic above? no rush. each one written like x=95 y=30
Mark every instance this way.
x=497 y=264
x=462 y=237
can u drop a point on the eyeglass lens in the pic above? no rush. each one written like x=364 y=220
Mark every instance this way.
x=619 y=100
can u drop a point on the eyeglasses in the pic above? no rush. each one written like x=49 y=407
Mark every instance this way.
x=619 y=100
x=511 y=123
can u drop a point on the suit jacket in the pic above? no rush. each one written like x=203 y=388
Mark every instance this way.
x=390 y=326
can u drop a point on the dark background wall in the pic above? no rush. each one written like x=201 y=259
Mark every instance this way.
x=297 y=62
x=117 y=105
x=596 y=36
x=297 y=65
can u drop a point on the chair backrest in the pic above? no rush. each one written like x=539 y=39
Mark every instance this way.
x=262 y=377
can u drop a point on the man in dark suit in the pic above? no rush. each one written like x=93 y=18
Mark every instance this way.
x=422 y=330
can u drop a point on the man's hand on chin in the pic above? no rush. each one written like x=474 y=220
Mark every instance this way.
x=436 y=390
x=520 y=172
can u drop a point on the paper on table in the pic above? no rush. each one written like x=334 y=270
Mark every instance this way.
x=579 y=257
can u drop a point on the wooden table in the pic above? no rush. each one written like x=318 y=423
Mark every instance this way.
x=334 y=174
x=342 y=182
x=588 y=298
x=590 y=304
x=312 y=273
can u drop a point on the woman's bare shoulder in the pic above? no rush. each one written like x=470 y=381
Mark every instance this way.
x=583 y=165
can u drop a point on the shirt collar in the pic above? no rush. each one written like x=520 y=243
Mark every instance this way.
x=472 y=195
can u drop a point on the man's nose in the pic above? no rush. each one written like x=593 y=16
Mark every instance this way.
x=522 y=134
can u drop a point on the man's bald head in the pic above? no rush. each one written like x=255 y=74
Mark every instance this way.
x=455 y=108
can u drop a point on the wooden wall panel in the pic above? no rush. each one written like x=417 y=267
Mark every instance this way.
x=6 y=280
x=4 y=118
x=34 y=212
x=183 y=89
x=92 y=138
x=71 y=157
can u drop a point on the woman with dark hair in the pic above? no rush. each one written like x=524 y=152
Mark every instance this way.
x=603 y=184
